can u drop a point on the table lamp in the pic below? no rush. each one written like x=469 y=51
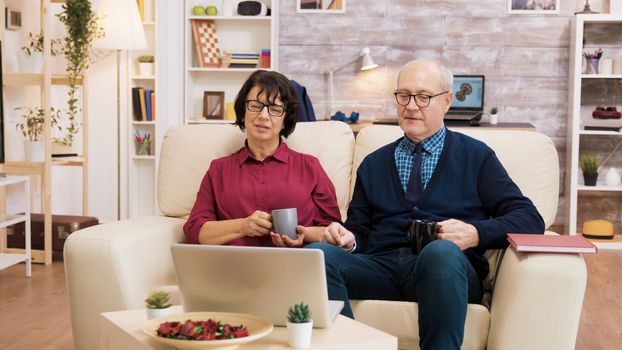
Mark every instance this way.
x=367 y=63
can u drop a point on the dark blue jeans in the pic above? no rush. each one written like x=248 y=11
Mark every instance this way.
x=440 y=279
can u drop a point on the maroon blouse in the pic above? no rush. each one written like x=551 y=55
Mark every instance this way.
x=237 y=185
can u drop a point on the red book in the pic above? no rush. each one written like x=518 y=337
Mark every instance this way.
x=524 y=242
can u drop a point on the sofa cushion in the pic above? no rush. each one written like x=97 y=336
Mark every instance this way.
x=401 y=319
x=187 y=152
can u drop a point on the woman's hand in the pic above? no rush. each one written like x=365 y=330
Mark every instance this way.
x=284 y=241
x=257 y=224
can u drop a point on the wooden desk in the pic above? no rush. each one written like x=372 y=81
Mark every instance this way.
x=123 y=330
x=356 y=127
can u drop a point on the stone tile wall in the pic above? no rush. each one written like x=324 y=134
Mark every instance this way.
x=524 y=57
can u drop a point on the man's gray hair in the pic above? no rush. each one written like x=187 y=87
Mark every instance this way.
x=446 y=74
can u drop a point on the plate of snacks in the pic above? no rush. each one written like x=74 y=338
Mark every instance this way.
x=207 y=330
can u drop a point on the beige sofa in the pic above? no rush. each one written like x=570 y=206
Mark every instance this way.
x=536 y=298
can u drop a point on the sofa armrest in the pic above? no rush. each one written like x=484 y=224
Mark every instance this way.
x=114 y=266
x=537 y=301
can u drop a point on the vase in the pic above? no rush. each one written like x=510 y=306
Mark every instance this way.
x=60 y=148
x=155 y=313
x=34 y=150
x=145 y=69
x=591 y=65
x=494 y=119
x=299 y=334
x=31 y=64
x=589 y=179
x=143 y=148
x=612 y=178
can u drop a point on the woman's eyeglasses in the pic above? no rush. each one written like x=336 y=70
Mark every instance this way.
x=274 y=110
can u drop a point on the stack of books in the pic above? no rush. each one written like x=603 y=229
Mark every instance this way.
x=240 y=59
x=143 y=103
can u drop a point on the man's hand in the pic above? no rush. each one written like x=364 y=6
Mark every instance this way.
x=284 y=241
x=337 y=235
x=257 y=224
x=462 y=234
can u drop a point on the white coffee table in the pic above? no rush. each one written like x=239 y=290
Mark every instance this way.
x=123 y=330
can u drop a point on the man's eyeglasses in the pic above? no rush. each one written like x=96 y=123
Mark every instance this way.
x=273 y=110
x=421 y=100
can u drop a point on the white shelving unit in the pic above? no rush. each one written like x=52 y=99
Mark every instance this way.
x=142 y=168
x=6 y=220
x=45 y=82
x=588 y=32
x=234 y=33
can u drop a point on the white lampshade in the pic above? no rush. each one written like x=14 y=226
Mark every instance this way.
x=368 y=62
x=122 y=26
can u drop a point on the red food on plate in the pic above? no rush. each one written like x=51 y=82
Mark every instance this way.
x=201 y=330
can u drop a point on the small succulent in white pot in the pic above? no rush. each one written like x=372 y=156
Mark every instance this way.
x=158 y=304
x=299 y=325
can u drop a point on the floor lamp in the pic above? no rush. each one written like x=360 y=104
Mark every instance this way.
x=123 y=31
x=367 y=63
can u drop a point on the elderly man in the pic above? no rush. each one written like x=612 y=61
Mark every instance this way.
x=430 y=173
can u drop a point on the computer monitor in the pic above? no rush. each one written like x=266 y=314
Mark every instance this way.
x=468 y=93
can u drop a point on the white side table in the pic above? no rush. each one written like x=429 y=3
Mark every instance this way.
x=9 y=259
x=123 y=330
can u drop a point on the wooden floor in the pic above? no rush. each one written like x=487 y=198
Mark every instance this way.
x=34 y=312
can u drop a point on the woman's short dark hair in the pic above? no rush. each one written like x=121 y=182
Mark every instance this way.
x=273 y=85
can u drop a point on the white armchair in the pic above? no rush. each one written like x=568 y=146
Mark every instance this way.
x=536 y=298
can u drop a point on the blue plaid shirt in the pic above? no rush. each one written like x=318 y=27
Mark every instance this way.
x=404 y=157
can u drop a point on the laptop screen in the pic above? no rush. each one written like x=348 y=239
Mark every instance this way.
x=468 y=93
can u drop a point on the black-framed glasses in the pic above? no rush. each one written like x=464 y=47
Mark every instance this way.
x=257 y=106
x=421 y=100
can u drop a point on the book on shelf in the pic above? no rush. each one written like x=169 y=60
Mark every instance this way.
x=141 y=9
x=136 y=103
x=143 y=105
x=148 y=104
x=238 y=65
x=538 y=243
x=153 y=106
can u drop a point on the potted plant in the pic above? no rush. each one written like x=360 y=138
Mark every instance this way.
x=299 y=325
x=494 y=117
x=31 y=127
x=30 y=57
x=145 y=65
x=589 y=165
x=157 y=304
x=82 y=27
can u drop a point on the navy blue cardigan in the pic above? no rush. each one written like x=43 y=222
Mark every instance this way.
x=468 y=184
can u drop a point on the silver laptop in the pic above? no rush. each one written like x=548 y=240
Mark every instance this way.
x=467 y=103
x=255 y=280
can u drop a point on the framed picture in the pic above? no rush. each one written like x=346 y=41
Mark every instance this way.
x=321 y=6
x=214 y=104
x=533 y=7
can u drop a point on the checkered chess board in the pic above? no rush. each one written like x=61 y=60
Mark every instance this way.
x=206 y=42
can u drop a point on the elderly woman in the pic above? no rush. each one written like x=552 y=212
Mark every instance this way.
x=239 y=191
